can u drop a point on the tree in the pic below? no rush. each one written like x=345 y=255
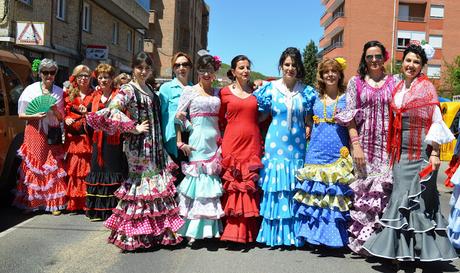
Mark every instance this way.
x=310 y=62
x=452 y=76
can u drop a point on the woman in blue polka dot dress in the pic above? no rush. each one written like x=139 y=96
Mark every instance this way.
x=288 y=101
x=323 y=198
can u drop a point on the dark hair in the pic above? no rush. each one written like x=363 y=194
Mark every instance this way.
x=235 y=60
x=362 y=70
x=140 y=58
x=294 y=53
x=417 y=50
x=334 y=65
x=205 y=62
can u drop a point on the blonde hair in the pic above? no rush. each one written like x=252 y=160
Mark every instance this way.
x=74 y=91
x=322 y=67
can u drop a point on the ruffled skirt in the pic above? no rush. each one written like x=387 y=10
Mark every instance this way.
x=279 y=223
x=41 y=184
x=146 y=213
x=323 y=201
x=371 y=195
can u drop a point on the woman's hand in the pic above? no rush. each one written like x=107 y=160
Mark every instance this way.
x=82 y=109
x=187 y=149
x=39 y=115
x=358 y=155
x=181 y=116
x=435 y=162
x=69 y=121
x=141 y=128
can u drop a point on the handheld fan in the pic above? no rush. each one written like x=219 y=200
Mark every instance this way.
x=40 y=104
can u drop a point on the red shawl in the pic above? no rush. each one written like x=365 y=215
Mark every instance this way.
x=98 y=136
x=418 y=104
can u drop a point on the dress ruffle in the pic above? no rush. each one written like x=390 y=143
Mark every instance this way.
x=41 y=185
x=241 y=175
x=371 y=198
x=411 y=233
x=200 y=208
x=453 y=166
x=279 y=232
x=344 y=118
x=454 y=218
x=340 y=171
x=211 y=166
x=110 y=121
x=100 y=196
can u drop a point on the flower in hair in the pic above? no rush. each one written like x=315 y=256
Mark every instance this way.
x=36 y=65
x=386 y=57
x=73 y=81
x=342 y=62
x=217 y=62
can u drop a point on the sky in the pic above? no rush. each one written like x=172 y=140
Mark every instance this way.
x=262 y=29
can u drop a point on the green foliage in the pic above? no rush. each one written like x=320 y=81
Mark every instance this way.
x=222 y=74
x=452 y=78
x=310 y=62
x=393 y=67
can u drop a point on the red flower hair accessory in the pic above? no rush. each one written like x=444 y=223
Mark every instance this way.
x=73 y=81
x=217 y=63
x=386 y=56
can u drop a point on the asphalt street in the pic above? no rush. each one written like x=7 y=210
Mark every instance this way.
x=70 y=243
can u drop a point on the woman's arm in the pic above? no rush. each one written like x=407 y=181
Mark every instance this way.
x=356 y=149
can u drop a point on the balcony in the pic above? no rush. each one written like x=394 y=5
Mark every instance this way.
x=333 y=18
x=330 y=48
x=152 y=16
x=130 y=12
x=411 y=19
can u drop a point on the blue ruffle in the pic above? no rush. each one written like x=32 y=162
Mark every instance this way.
x=279 y=232
x=322 y=226
x=277 y=205
x=320 y=188
x=264 y=98
x=454 y=218
x=279 y=174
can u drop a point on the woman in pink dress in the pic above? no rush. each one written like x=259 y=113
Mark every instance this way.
x=241 y=152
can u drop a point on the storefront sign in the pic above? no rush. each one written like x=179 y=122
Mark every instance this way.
x=97 y=52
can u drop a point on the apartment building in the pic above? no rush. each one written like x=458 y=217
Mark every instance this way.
x=73 y=28
x=348 y=24
x=176 y=25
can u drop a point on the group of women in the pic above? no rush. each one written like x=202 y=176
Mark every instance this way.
x=338 y=166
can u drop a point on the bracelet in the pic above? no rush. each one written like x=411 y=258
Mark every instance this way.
x=434 y=155
x=354 y=139
x=180 y=145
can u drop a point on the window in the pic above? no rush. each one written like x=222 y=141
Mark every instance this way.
x=404 y=37
x=437 y=11
x=27 y=2
x=140 y=44
x=435 y=41
x=434 y=71
x=115 y=33
x=60 y=9
x=86 y=20
x=129 y=41
x=403 y=13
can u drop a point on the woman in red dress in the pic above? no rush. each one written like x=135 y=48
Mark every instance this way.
x=241 y=152
x=77 y=100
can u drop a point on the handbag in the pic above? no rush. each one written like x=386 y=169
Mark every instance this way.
x=54 y=135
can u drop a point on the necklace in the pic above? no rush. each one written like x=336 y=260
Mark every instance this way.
x=325 y=119
x=375 y=83
x=44 y=92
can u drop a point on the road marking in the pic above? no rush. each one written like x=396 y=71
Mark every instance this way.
x=11 y=229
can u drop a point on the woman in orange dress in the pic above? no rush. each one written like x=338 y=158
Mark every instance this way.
x=77 y=101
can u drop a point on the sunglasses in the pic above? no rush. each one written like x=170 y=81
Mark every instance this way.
x=204 y=71
x=177 y=65
x=46 y=73
x=378 y=57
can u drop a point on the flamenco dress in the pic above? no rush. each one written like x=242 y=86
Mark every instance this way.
x=41 y=182
x=323 y=197
x=201 y=189
x=284 y=154
x=453 y=229
x=146 y=214
x=109 y=167
x=241 y=153
x=368 y=107
x=78 y=148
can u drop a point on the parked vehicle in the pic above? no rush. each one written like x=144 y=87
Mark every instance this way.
x=15 y=75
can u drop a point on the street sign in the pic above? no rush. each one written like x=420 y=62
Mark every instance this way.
x=30 y=33
x=97 y=52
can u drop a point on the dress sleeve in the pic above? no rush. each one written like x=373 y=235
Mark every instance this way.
x=185 y=100
x=113 y=119
x=438 y=132
x=309 y=96
x=264 y=98
x=351 y=110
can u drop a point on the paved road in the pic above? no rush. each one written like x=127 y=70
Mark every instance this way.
x=70 y=243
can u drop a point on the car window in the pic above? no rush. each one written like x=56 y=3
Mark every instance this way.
x=2 y=104
x=14 y=89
